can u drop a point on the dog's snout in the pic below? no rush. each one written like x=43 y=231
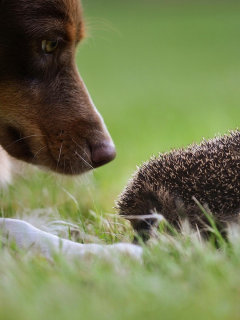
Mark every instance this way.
x=102 y=153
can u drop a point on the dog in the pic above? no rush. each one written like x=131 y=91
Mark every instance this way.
x=47 y=117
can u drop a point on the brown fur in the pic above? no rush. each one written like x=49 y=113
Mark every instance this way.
x=46 y=115
x=168 y=185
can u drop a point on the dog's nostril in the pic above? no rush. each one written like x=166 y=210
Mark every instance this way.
x=103 y=153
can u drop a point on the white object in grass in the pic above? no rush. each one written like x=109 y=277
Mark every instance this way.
x=35 y=241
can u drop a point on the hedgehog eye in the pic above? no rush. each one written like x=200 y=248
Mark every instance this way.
x=49 y=45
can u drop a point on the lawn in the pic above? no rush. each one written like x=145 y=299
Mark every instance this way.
x=163 y=74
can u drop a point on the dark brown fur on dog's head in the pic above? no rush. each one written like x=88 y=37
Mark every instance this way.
x=46 y=115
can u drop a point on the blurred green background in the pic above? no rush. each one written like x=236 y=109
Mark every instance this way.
x=163 y=74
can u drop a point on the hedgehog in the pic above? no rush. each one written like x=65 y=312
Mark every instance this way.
x=180 y=183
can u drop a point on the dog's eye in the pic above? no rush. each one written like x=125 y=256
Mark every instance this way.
x=49 y=45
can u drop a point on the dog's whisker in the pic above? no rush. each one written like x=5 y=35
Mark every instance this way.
x=64 y=166
x=59 y=156
x=23 y=166
x=71 y=167
x=82 y=149
x=87 y=41
x=101 y=24
x=38 y=152
x=88 y=164
x=20 y=171
x=23 y=138
x=27 y=164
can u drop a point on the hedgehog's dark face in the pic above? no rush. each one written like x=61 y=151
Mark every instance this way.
x=46 y=115
x=139 y=204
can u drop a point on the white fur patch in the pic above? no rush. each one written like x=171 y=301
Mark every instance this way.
x=5 y=168
x=9 y=167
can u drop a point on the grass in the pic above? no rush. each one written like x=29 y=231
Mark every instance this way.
x=163 y=74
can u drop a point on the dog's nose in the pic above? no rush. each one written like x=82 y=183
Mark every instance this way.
x=103 y=153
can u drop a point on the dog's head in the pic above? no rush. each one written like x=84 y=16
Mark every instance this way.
x=46 y=114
